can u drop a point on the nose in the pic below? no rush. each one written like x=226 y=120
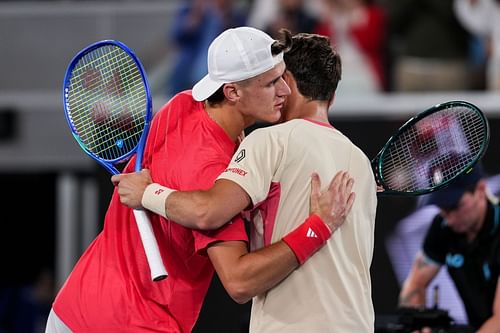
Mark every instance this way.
x=283 y=88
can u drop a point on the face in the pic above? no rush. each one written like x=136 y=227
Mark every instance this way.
x=290 y=110
x=469 y=214
x=262 y=98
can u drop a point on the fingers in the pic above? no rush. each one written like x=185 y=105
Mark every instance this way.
x=147 y=174
x=341 y=186
x=115 y=179
x=336 y=181
x=341 y=182
x=335 y=202
x=315 y=192
x=315 y=184
x=352 y=195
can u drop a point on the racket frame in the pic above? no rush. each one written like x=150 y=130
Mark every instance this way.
x=139 y=148
x=158 y=271
x=378 y=159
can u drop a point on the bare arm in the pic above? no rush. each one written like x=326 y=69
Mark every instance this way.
x=245 y=274
x=492 y=325
x=204 y=210
x=421 y=274
x=212 y=208
x=209 y=209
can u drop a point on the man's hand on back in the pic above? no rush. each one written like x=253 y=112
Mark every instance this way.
x=334 y=203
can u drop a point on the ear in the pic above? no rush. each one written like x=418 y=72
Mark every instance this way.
x=231 y=92
x=481 y=185
x=288 y=77
x=290 y=81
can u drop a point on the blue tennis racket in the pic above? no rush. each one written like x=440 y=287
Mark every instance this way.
x=107 y=103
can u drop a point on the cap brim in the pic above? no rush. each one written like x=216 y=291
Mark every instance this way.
x=205 y=88
x=446 y=198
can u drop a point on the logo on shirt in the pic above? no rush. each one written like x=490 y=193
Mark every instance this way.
x=486 y=271
x=454 y=260
x=240 y=156
x=311 y=233
x=237 y=171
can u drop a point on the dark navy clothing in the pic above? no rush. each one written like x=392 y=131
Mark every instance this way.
x=473 y=266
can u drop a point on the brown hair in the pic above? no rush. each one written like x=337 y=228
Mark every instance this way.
x=314 y=63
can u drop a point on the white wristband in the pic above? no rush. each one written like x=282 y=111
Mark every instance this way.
x=155 y=197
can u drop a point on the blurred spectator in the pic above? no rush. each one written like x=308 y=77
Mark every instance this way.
x=263 y=12
x=196 y=24
x=292 y=15
x=429 y=46
x=357 y=28
x=482 y=19
x=463 y=237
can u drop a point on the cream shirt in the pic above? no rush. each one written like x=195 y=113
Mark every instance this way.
x=331 y=292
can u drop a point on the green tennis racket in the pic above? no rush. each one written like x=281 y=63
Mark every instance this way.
x=432 y=149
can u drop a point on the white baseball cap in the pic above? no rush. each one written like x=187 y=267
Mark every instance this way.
x=236 y=54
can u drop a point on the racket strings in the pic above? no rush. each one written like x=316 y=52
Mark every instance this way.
x=107 y=102
x=117 y=122
x=434 y=150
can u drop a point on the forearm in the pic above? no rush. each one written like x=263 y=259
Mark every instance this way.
x=256 y=272
x=245 y=275
x=412 y=296
x=204 y=210
x=414 y=289
x=196 y=210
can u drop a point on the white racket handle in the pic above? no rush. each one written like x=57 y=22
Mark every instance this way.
x=158 y=270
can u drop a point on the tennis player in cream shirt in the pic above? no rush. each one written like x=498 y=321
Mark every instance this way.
x=331 y=291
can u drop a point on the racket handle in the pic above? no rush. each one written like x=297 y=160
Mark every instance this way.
x=158 y=270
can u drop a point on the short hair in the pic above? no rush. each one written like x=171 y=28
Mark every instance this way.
x=276 y=48
x=314 y=63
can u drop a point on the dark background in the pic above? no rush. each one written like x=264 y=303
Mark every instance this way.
x=28 y=231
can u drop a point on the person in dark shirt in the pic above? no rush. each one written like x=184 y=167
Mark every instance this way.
x=464 y=236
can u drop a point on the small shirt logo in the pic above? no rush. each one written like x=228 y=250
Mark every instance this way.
x=486 y=271
x=240 y=156
x=454 y=260
x=237 y=171
x=311 y=233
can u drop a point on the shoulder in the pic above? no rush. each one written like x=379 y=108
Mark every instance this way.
x=184 y=98
x=268 y=131
x=180 y=104
x=438 y=226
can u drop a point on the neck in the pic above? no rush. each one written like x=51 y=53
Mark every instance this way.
x=233 y=123
x=472 y=234
x=314 y=110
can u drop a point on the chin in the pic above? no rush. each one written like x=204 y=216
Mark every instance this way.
x=278 y=117
x=460 y=230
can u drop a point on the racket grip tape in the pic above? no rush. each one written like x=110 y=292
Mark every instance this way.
x=308 y=237
x=158 y=270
